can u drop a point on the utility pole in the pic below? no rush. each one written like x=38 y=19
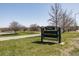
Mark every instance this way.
x=76 y=21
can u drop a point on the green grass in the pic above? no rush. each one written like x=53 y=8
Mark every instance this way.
x=75 y=52
x=20 y=33
x=27 y=46
x=33 y=47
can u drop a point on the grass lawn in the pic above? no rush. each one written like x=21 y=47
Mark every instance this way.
x=33 y=47
x=20 y=33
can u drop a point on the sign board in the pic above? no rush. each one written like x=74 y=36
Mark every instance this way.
x=52 y=32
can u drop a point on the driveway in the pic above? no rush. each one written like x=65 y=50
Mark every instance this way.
x=18 y=37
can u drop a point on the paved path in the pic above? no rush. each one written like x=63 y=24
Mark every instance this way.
x=6 y=33
x=18 y=37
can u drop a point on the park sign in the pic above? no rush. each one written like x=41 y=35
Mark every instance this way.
x=52 y=32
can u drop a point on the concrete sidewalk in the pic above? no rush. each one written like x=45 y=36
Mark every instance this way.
x=18 y=37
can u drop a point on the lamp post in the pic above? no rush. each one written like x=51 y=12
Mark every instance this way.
x=76 y=21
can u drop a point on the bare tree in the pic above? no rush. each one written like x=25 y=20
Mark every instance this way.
x=23 y=28
x=14 y=26
x=55 y=14
x=68 y=21
x=61 y=18
x=34 y=27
